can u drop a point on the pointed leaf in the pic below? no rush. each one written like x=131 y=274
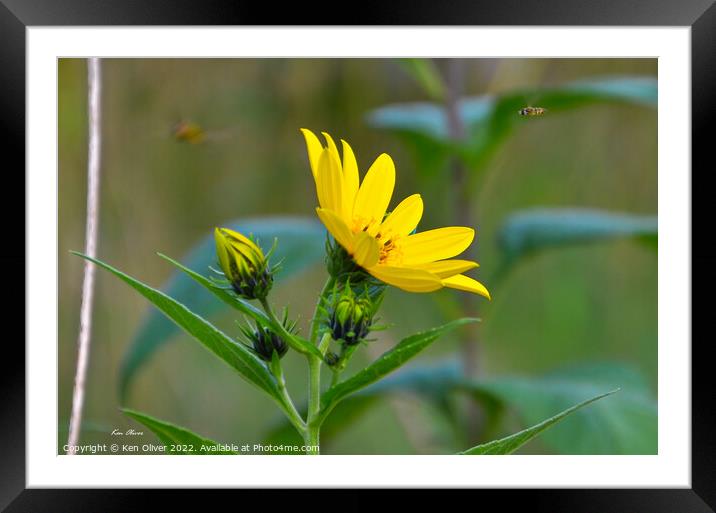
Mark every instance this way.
x=176 y=439
x=236 y=355
x=385 y=364
x=301 y=244
x=528 y=231
x=245 y=307
x=511 y=443
x=489 y=119
x=625 y=424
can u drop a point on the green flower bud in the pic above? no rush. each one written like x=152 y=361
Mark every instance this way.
x=339 y=262
x=350 y=318
x=243 y=264
x=265 y=342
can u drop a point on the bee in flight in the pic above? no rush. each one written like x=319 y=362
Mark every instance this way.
x=532 y=111
x=187 y=131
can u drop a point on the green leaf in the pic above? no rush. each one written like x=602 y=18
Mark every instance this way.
x=528 y=231
x=511 y=443
x=245 y=307
x=626 y=424
x=489 y=119
x=176 y=439
x=236 y=355
x=385 y=364
x=433 y=381
x=429 y=119
x=301 y=244
x=427 y=75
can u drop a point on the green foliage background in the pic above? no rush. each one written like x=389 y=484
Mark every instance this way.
x=561 y=308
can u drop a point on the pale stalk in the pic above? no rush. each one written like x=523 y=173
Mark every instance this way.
x=94 y=85
x=464 y=216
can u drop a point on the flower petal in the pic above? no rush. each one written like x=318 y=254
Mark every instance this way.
x=404 y=218
x=447 y=268
x=330 y=184
x=462 y=282
x=375 y=191
x=231 y=234
x=365 y=250
x=314 y=148
x=436 y=244
x=337 y=227
x=350 y=175
x=331 y=145
x=411 y=280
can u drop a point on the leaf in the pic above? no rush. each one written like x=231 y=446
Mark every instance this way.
x=427 y=75
x=433 y=381
x=626 y=424
x=236 y=355
x=301 y=244
x=245 y=307
x=429 y=119
x=511 y=443
x=385 y=364
x=182 y=440
x=528 y=231
x=489 y=119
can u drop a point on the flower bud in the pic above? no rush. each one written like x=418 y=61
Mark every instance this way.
x=265 y=342
x=243 y=264
x=350 y=318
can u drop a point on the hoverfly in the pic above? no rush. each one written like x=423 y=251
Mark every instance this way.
x=186 y=131
x=532 y=111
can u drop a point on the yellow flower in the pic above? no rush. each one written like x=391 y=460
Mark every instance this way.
x=385 y=246
x=243 y=264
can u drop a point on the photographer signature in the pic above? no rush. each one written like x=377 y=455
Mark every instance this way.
x=128 y=432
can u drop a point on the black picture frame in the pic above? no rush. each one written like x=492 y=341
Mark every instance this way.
x=17 y=15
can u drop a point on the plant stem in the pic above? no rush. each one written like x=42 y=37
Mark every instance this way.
x=464 y=216
x=314 y=405
x=289 y=407
x=94 y=82
x=312 y=434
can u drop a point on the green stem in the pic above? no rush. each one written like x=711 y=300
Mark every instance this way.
x=336 y=377
x=314 y=322
x=288 y=407
x=313 y=425
x=314 y=405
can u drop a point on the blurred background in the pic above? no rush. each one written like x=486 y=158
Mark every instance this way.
x=192 y=144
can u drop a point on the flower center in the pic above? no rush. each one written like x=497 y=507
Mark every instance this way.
x=389 y=248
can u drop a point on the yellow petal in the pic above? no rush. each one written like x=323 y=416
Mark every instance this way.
x=350 y=175
x=231 y=234
x=375 y=191
x=436 y=244
x=365 y=250
x=404 y=218
x=462 y=282
x=331 y=145
x=330 y=184
x=314 y=148
x=411 y=280
x=222 y=252
x=337 y=227
x=447 y=268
